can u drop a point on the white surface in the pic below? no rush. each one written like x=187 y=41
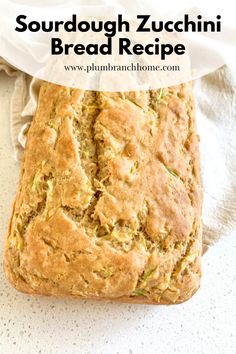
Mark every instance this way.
x=204 y=324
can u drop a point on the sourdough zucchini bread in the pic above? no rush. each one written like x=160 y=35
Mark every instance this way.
x=109 y=200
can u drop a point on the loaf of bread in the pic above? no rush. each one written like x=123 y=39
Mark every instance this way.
x=109 y=201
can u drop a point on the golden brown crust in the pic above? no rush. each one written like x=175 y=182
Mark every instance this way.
x=109 y=201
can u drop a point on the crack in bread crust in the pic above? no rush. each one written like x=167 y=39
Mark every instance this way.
x=109 y=201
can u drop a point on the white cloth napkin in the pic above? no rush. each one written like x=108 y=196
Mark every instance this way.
x=216 y=120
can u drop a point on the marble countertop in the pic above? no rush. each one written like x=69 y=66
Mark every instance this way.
x=204 y=324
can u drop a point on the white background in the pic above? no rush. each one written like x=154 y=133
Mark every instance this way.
x=30 y=51
x=204 y=324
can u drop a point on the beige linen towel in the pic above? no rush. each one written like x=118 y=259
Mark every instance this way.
x=20 y=97
x=216 y=120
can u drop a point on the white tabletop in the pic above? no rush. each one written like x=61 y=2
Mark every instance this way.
x=204 y=324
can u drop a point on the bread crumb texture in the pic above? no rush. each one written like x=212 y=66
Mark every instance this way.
x=109 y=200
